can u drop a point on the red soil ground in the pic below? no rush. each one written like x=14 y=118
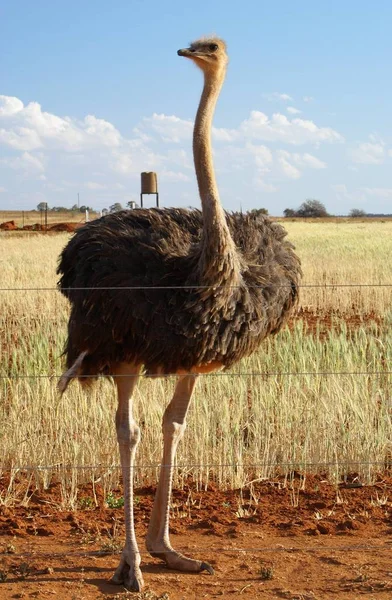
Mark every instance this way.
x=8 y=226
x=52 y=227
x=320 y=542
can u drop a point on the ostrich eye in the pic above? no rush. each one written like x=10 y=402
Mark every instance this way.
x=213 y=47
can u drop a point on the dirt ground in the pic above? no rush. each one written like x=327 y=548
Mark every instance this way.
x=304 y=540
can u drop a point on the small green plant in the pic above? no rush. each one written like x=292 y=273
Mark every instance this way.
x=114 y=502
x=266 y=572
x=3 y=576
x=86 y=503
x=111 y=546
x=24 y=569
x=9 y=549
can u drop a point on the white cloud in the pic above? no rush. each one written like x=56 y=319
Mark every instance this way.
x=280 y=129
x=307 y=98
x=260 y=184
x=180 y=157
x=293 y=111
x=360 y=197
x=278 y=96
x=288 y=169
x=173 y=176
x=9 y=105
x=102 y=131
x=20 y=138
x=379 y=192
x=369 y=153
x=29 y=128
x=131 y=161
x=308 y=160
x=262 y=156
x=289 y=162
x=169 y=127
x=91 y=154
x=27 y=162
x=225 y=135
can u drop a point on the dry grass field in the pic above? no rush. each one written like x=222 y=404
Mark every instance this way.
x=283 y=477
x=315 y=397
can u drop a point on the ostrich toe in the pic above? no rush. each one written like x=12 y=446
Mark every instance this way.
x=128 y=575
x=179 y=562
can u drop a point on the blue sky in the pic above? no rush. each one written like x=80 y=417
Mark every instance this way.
x=93 y=92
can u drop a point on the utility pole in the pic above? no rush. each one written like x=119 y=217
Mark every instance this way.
x=78 y=201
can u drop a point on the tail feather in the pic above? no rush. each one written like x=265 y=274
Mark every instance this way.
x=72 y=372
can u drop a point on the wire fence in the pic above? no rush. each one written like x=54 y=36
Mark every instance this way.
x=263 y=374
x=297 y=465
x=255 y=465
x=194 y=287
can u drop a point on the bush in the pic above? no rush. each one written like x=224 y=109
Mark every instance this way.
x=312 y=208
x=356 y=213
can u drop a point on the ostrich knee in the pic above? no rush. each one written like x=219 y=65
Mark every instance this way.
x=128 y=435
x=173 y=430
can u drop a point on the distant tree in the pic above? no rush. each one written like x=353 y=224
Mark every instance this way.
x=75 y=207
x=312 y=208
x=104 y=211
x=290 y=212
x=115 y=207
x=42 y=206
x=259 y=211
x=132 y=204
x=83 y=208
x=356 y=213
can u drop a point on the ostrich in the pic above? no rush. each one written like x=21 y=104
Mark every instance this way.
x=172 y=291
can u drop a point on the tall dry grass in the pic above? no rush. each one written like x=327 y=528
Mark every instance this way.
x=271 y=412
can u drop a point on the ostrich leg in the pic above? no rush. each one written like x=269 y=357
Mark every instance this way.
x=128 y=572
x=174 y=423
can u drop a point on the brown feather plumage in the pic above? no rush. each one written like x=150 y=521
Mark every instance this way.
x=171 y=330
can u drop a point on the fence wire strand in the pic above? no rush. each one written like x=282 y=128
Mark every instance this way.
x=286 y=465
x=218 y=374
x=218 y=550
x=194 y=287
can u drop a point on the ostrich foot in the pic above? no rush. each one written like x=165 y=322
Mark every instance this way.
x=128 y=573
x=175 y=560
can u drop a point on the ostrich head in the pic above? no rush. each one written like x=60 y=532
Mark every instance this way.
x=209 y=54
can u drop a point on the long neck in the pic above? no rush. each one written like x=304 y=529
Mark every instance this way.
x=218 y=259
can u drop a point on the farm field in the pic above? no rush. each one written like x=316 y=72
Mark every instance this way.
x=284 y=466
x=34 y=217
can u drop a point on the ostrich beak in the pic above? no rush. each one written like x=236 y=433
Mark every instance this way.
x=184 y=52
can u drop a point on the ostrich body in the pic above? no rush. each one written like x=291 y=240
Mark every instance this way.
x=203 y=289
